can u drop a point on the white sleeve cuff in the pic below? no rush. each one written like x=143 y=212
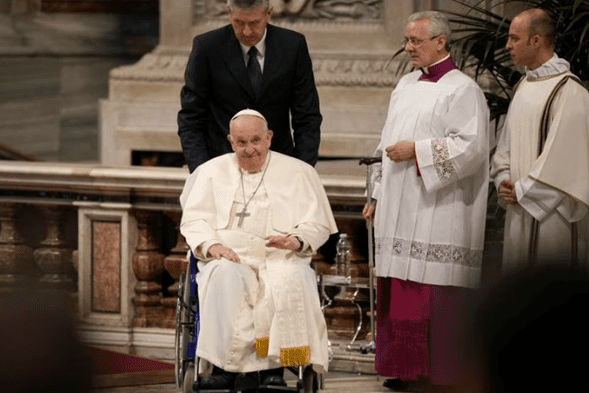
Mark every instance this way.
x=204 y=250
x=572 y=210
x=536 y=198
x=500 y=177
x=306 y=249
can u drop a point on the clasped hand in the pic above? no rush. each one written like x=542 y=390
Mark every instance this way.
x=506 y=192
x=401 y=151
x=281 y=242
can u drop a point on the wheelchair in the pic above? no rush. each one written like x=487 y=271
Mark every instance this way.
x=186 y=361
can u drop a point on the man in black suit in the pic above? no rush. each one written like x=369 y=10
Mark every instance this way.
x=222 y=78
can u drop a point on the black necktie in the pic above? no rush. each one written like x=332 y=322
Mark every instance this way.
x=253 y=69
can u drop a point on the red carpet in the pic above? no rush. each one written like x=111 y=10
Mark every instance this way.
x=119 y=369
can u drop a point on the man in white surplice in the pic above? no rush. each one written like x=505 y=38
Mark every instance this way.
x=254 y=218
x=543 y=176
x=430 y=209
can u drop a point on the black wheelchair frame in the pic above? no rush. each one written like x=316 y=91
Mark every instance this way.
x=186 y=361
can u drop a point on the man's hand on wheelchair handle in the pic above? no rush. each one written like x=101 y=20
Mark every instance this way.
x=219 y=251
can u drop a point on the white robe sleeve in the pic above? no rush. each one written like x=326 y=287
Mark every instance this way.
x=198 y=207
x=500 y=169
x=540 y=200
x=310 y=231
x=464 y=146
x=558 y=178
x=376 y=178
x=377 y=168
x=202 y=250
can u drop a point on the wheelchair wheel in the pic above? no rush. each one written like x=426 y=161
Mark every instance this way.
x=179 y=351
x=188 y=380
x=184 y=330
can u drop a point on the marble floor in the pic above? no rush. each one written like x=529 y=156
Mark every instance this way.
x=335 y=382
x=350 y=372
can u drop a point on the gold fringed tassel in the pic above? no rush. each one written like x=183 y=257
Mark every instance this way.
x=292 y=357
x=262 y=346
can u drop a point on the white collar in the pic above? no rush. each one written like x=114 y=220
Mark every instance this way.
x=554 y=66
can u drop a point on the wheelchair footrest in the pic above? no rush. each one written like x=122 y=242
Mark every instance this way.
x=276 y=389
x=261 y=389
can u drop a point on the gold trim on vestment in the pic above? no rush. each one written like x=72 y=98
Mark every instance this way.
x=544 y=78
x=262 y=345
x=297 y=356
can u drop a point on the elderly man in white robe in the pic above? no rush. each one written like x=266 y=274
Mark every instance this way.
x=254 y=218
x=541 y=165
x=429 y=210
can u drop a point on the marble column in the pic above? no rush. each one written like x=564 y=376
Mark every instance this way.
x=16 y=258
x=148 y=266
x=53 y=255
x=175 y=264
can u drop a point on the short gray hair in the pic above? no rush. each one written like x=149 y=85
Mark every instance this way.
x=248 y=4
x=438 y=23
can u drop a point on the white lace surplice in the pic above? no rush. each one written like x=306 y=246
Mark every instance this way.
x=430 y=228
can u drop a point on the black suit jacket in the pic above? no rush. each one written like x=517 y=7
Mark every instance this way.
x=217 y=87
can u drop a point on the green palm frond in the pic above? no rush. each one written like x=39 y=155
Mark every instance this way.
x=482 y=35
x=481 y=38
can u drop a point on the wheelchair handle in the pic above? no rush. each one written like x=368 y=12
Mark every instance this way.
x=369 y=160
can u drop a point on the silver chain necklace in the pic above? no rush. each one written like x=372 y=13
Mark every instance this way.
x=243 y=214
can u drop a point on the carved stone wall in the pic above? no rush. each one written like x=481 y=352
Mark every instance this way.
x=351 y=44
x=366 y=10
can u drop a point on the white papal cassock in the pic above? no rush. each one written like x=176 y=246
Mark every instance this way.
x=430 y=218
x=552 y=187
x=263 y=312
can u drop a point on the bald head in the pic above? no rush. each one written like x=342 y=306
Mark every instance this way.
x=540 y=23
x=531 y=38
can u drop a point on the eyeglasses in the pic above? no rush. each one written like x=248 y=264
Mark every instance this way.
x=415 y=42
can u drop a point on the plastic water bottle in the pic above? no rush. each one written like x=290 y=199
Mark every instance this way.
x=342 y=258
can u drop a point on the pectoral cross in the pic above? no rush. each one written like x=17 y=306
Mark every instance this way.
x=243 y=214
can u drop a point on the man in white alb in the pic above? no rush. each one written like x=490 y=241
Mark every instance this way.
x=430 y=210
x=254 y=218
x=541 y=166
